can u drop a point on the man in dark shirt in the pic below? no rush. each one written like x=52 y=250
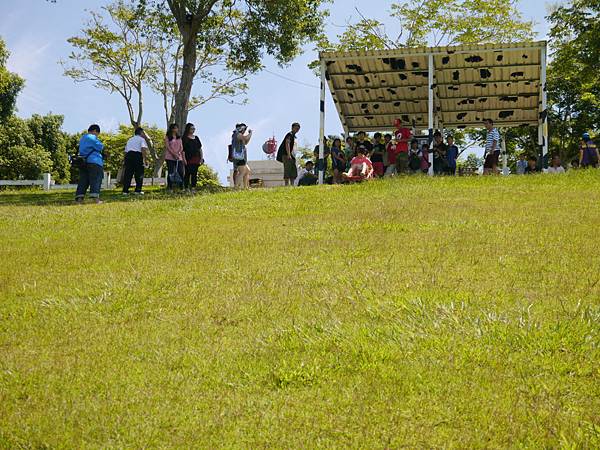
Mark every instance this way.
x=532 y=166
x=440 y=150
x=452 y=156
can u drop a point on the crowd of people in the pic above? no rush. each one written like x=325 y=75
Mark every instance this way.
x=358 y=159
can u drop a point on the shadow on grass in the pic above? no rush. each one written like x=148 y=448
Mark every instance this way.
x=67 y=198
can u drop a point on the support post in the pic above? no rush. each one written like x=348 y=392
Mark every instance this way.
x=47 y=181
x=321 y=162
x=430 y=116
x=504 y=155
x=544 y=112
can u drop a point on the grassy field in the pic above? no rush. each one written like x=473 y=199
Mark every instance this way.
x=419 y=313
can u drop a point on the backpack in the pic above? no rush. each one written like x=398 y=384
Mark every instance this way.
x=238 y=150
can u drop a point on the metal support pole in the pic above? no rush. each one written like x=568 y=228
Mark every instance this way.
x=321 y=161
x=430 y=118
x=544 y=112
x=504 y=155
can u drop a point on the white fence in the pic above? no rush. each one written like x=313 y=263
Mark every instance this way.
x=48 y=184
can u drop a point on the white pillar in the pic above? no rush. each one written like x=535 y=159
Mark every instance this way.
x=47 y=181
x=544 y=96
x=322 y=122
x=430 y=118
x=504 y=155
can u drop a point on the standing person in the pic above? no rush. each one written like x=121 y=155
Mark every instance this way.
x=136 y=159
x=451 y=156
x=588 y=152
x=239 y=155
x=492 y=148
x=286 y=155
x=192 y=147
x=326 y=154
x=440 y=150
x=350 y=151
x=338 y=160
x=414 y=157
x=378 y=155
x=362 y=139
x=91 y=171
x=403 y=136
x=556 y=166
x=391 y=149
x=175 y=158
x=521 y=164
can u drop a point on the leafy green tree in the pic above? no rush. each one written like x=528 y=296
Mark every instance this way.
x=46 y=132
x=573 y=75
x=436 y=23
x=248 y=30
x=10 y=86
x=24 y=163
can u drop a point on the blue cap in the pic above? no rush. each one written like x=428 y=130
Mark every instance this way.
x=586 y=136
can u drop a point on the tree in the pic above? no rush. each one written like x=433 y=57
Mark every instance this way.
x=46 y=132
x=437 y=23
x=249 y=29
x=573 y=77
x=10 y=85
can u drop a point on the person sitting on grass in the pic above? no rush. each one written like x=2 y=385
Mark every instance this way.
x=307 y=176
x=361 y=167
x=531 y=166
x=425 y=164
x=556 y=166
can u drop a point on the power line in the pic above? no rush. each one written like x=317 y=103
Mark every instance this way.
x=292 y=80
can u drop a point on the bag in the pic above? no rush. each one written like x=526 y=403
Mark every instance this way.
x=175 y=177
x=80 y=162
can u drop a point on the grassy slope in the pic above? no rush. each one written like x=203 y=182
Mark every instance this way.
x=414 y=312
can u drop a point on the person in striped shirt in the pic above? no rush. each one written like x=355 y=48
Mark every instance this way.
x=492 y=148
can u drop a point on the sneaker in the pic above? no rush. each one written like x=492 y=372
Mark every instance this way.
x=125 y=194
x=98 y=201
x=138 y=193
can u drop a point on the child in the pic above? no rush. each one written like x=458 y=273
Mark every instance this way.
x=338 y=160
x=361 y=167
x=414 y=157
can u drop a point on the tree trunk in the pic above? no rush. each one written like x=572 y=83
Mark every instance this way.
x=188 y=70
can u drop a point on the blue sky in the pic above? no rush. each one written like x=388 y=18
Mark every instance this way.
x=36 y=33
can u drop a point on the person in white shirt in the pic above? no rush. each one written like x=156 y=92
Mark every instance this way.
x=136 y=159
x=307 y=176
x=556 y=166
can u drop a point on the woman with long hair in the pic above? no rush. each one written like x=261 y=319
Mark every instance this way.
x=175 y=157
x=192 y=148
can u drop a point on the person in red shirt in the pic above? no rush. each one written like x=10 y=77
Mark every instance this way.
x=403 y=137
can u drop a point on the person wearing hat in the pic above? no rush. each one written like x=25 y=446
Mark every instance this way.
x=588 y=152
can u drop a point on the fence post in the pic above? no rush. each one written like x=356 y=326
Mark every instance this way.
x=47 y=180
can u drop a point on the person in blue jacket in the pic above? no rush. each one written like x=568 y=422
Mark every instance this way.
x=91 y=174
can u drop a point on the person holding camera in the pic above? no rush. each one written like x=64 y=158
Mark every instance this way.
x=239 y=155
x=91 y=166
x=136 y=159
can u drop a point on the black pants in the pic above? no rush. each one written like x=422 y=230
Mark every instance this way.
x=191 y=176
x=172 y=167
x=134 y=165
x=91 y=177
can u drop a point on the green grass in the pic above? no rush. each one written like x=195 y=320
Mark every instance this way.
x=412 y=312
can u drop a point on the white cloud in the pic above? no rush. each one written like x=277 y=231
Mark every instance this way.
x=27 y=58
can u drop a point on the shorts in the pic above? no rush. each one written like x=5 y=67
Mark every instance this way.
x=491 y=160
x=290 y=171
